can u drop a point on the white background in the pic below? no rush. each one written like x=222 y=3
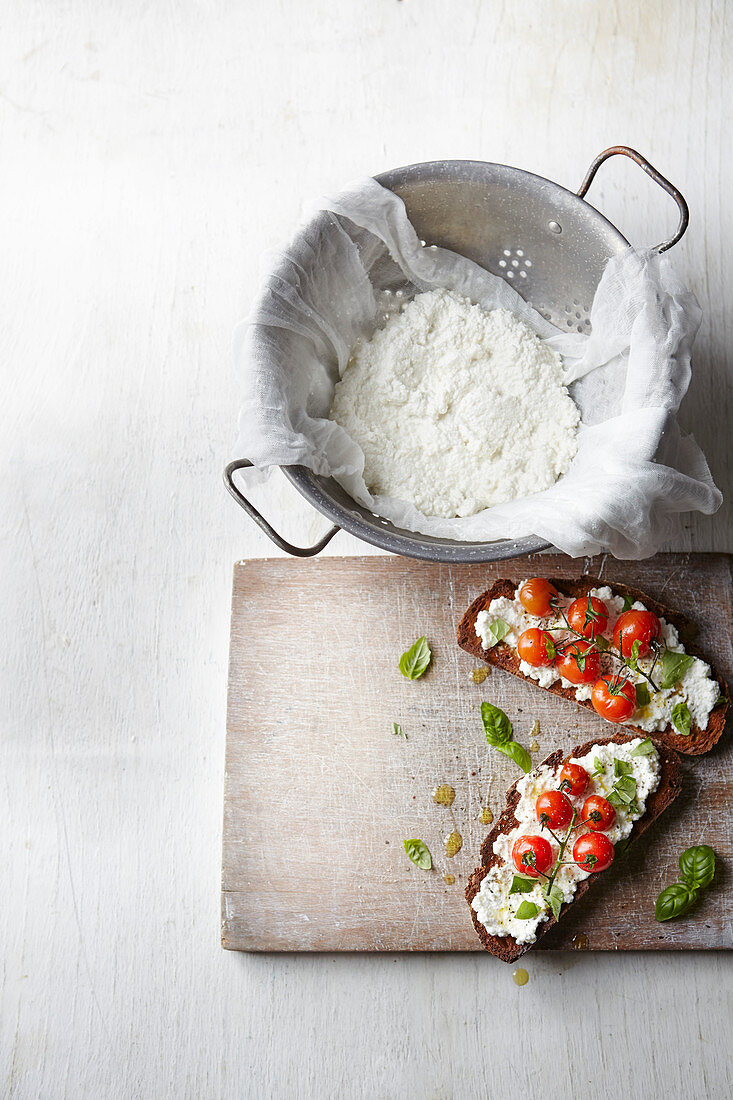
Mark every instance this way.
x=150 y=152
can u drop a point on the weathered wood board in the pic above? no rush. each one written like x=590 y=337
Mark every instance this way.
x=320 y=792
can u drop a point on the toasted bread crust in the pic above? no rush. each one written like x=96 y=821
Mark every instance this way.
x=504 y=656
x=670 y=785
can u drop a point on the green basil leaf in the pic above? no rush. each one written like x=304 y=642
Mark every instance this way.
x=497 y=726
x=497 y=630
x=622 y=767
x=697 y=865
x=527 y=910
x=673 y=902
x=623 y=792
x=633 y=658
x=673 y=667
x=643 y=698
x=415 y=660
x=602 y=643
x=720 y=700
x=599 y=767
x=555 y=900
x=418 y=853
x=522 y=885
x=518 y=754
x=398 y=731
x=681 y=719
x=628 y=603
x=620 y=846
x=646 y=748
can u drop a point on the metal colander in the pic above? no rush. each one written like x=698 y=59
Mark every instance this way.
x=547 y=241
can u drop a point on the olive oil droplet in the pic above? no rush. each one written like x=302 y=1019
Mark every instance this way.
x=534 y=747
x=453 y=843
x=520 y=975
x=479 y=675
x=580 y=942
x=444 y=795
x=449 y=879
x=486 y=816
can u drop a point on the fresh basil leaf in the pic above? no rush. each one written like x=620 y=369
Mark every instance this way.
x=646 y=748
x=697 y=865
x=518 y=754
x=497 y=630
x=673 y=667
x=527 y=910
x=623 y=792
x=673 y=902
x=599 y=767
x=497 y=726
x=720 y=700
x=415 y=660
x=554 y=900
x=632 y=659
x=620 y=846
x=622 y=767
x=398 y=731
x=418 y=853
x=628 y=603
x=522 y=885
x=682 y=719
x=643 y=698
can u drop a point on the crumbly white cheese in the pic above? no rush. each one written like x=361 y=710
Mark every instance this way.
x=495 y=907
x=456 y=408
x=696 y=687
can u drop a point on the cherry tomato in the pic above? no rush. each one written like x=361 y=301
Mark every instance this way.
x=636 y=626
x=535 y=646
x=554 y=809
x=598 y=812
x=573 y=779
x=535 y=596
x=589 y=616
x=593 y=852
x=532 y=855
x=576 y=664
x=614 y=699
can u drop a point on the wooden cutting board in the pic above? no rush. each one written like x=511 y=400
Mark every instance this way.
x=320 y=792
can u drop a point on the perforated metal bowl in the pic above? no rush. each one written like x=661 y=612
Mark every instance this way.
x=547 y=241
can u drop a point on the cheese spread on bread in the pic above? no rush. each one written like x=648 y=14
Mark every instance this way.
x=494 y=905
x=696 y=686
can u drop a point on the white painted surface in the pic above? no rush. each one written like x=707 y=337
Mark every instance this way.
x=150 y=152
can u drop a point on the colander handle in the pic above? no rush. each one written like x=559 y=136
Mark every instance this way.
x=624 y=151
x=296 y=551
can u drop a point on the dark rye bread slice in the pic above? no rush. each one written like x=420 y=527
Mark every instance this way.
x=505 y=656
x=670 y=785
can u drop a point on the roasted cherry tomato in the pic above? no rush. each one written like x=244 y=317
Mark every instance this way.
x=536 y=647
x=614 y=699
x=588 y=616
x=593 y=852
x=535 y=596
x=636 y=626
x=554 y=809
x=598 y=812
x=532 y=855
x=573 y=779
x=576 y=664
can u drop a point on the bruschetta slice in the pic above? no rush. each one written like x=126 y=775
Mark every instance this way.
x=609 y=648
x=563 y=825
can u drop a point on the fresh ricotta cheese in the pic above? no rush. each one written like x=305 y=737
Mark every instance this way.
x=696 y=686
x=456 y=408
x=494 y=906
